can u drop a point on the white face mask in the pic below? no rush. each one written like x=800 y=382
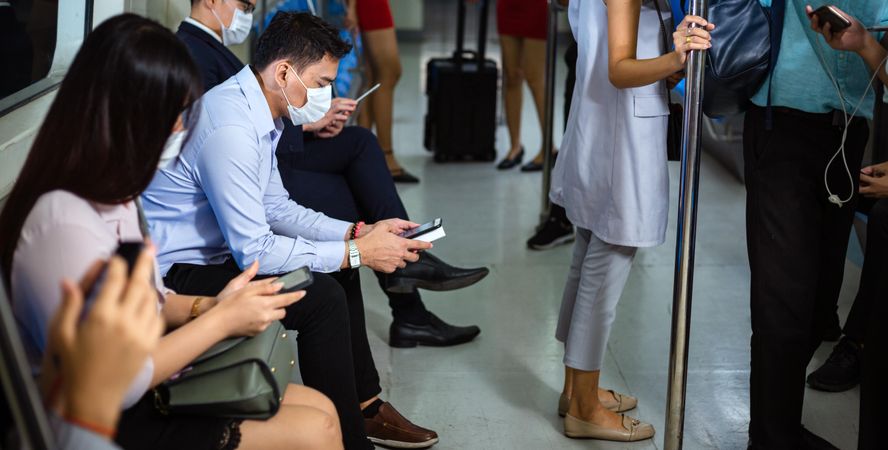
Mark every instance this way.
x=172 y=148
x=317 y=105
x=237 y=32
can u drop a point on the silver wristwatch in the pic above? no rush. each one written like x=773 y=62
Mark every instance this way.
x=354 y=256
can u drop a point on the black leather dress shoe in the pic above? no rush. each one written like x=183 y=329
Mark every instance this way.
x=436 y=333
x=433 y=274
x=507 y=163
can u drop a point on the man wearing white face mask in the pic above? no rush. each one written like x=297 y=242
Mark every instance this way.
x=341 y=172
x=222 y=206
x=217 y=23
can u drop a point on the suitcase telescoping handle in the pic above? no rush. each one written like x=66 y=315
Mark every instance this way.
x=460 y=52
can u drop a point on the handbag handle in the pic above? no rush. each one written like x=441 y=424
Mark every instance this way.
x=665 y=41
x=663 y=36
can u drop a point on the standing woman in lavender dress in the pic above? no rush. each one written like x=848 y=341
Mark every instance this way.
x=612 y=179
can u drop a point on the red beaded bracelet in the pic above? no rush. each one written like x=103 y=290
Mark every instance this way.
x=358 y=227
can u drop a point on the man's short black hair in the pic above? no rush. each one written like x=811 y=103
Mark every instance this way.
x=301 y=38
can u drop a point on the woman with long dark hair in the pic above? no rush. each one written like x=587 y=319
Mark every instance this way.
x=129 y=87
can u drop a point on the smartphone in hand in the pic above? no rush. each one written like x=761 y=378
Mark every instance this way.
x=831 y=15
x=130 y=252
x=296 y=280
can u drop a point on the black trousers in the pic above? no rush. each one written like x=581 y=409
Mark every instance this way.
x=858 y=317
x=334 y=354
x=346 y=178
x=869 y=312
x=796 y=241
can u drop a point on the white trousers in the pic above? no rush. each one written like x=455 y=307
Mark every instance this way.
x=597 y=277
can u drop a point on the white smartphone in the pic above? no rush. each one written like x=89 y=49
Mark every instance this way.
x=427 y=232
x=369 y=91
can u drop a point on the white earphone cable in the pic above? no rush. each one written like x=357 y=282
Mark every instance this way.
x=847 y=118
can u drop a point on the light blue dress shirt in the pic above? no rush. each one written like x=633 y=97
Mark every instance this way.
x=799 y=79
x=223 y=195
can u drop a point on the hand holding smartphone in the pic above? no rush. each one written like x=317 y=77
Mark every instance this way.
x=426 y=232
x=831 y=15
x=129 y=251
x=296 y=280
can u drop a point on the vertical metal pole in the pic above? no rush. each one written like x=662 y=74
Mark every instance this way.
x=684 y=246
x=549 y=100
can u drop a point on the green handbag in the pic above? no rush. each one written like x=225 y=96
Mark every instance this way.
x=243 y=378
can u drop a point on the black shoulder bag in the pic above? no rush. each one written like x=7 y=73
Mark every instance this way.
x=676 y=111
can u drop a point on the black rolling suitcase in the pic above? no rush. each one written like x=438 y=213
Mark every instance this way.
x=461 y=120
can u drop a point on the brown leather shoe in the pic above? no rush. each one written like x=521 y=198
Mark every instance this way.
x=389 y=428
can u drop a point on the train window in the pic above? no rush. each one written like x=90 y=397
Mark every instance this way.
x=39 y=39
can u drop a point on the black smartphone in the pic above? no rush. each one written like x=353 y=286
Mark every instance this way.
x=829 y=14
x=129 y=251
x=296 y=280
x=425 y=228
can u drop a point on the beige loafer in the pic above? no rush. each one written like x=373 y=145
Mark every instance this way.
x=633 y=430
x=619 y=403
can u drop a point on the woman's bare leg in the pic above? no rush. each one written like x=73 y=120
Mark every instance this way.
x=293 y=427
x=534 y=72
x=567 y=390
x=381 y=49
x=513 y=85
x=584 y=403
x=365 y=110
x=307 y=420
x=299 y=395
x=568 y=382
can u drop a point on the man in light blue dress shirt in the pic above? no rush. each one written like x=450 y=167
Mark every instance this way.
x=800 y=207
x=223 y=198
x=220 y=206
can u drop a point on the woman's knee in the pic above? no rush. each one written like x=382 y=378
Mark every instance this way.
x=513 y=77
x=298 y=394
x=389 y=72
x=325 y=432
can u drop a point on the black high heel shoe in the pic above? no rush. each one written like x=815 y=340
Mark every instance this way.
x=402 y=176
x=509 y=163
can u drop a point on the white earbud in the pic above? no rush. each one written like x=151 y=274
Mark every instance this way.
x=836 y=200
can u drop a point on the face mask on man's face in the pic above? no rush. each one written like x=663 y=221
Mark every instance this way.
x=237 y=32
x=316 y=106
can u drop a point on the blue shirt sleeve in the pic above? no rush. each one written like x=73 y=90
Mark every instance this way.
x=280 y=210
x=229 y=169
